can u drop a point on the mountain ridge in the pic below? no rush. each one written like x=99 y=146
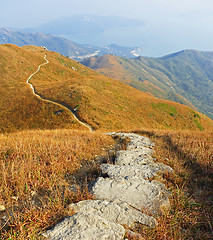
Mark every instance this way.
x=62 y=45
x=184 y=77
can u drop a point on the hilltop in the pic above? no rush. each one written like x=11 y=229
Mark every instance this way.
x=104 y=103
x=184 y=77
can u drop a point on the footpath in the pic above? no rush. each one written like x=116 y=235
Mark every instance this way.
x=125 y=194
x=52 y=102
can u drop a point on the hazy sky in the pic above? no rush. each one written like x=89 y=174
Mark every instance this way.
x=190 y=19
x=28 y=13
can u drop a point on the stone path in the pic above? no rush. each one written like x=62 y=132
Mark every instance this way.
x=122 y=196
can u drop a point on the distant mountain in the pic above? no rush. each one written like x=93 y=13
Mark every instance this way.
x=185 y=77
x=81 y=24
x=52 y=42
x=63 y=46
x=191 y=71
x=93 y=30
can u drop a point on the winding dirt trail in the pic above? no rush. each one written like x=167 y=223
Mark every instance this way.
x=49 y=101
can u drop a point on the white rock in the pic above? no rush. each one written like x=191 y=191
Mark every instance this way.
x=122 y=196
x=146 y=171
x=2 y=207
x=136 y=141
x=139 y=193
x=86 y=226
x=117 y=212
x=137 y=171
x=133 y=157
x=141 y=157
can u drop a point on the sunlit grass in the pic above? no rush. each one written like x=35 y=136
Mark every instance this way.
x=190 y=154
x=36 y=176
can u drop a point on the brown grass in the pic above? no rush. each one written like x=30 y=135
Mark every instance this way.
x=190 y=154
x=19 y=108
x=37 y=177
x=42 y=172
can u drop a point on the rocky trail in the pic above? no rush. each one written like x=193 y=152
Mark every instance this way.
x=125 y=195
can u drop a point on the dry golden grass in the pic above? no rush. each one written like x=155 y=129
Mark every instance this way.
x=19 y=108
x=190 y=154
x=104 y=103
x=36 y=173
x=107 y=104
x=39 y=168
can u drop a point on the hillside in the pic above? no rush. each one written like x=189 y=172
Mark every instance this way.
x=104 y=103
x=137 y=74
x=184 y=77
x=192 y=72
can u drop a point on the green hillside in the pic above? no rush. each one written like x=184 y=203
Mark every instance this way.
x=192 y=73
x=184 y=77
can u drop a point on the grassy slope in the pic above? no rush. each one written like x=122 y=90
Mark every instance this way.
x=104 y=103
x=192 y=72
x=37 y=170
x=182 y=77
x=136 y=73
x=19 y=108
x=59 y=154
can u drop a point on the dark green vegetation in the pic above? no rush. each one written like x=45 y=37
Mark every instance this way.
x=185 y=77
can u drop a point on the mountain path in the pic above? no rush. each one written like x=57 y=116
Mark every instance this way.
x=122 y=191
x=50 y=101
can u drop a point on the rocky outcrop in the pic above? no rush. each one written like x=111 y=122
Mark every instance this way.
x=86 y=226
x=115 y=211
x=139 y=193
x=124 y=191
x=146 y=171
